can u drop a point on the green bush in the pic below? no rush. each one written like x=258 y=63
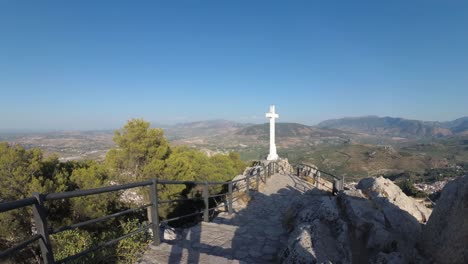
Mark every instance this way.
x=407 y=186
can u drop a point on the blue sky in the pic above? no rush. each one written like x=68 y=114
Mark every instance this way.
x=95 y=64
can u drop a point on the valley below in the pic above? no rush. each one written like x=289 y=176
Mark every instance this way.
x=344 y=151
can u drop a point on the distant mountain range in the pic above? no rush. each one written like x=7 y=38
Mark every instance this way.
x=291 y=130
x=202 y=128
x=344 y=127
x=398 y=127
x=349 y=146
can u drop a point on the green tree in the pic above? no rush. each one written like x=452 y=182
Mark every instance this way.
x=17 y=168
x=141 y=151
x=93 y=175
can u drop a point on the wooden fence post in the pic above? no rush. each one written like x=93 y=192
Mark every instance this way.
x=40 y=219
x=154 y=212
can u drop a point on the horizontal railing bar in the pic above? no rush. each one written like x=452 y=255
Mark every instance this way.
x=105 y=244
x=327 y=173
x=190 y=182
x=219 y=205
x=6 y=206
x=241 y=187
x=20 y=246
x=11 y=205
x=78 y=193
x=236 y=199
x=100 y=219
x=237 y=191
x=217 y=195
x=180 y=217
x=243 y=179
x=305 y=165
x=177 y=200
x=201 y=182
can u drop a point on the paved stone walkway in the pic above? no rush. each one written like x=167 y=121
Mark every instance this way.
x=254 y=234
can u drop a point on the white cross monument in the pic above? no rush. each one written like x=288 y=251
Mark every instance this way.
x=272 y=116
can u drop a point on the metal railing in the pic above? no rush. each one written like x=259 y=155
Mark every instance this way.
x=316 y=174
x=260 y=173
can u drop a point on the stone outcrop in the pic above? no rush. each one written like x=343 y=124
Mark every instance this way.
x=445 y=237
x=373 y=223
x=381 y=191
x=319 y=235
x=379 y=226
x=284 y=167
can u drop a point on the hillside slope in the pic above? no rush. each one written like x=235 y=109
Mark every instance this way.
x=397 y=127
x=292 y=130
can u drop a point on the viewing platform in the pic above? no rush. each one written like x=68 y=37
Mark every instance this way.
x=253 y=234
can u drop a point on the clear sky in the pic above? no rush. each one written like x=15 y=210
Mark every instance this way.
x=95 y=64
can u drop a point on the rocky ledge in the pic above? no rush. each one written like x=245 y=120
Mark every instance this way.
x=375 y=222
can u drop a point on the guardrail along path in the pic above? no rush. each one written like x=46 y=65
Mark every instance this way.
x=254 y=234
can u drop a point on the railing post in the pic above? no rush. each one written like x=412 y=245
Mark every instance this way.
x=230 y=198
x=262 y=170
x=336 y=186
x=317 y=179
x=154 y=212
x=257 y=178
x=206 y=195
x=40 y=219
x=247 y=182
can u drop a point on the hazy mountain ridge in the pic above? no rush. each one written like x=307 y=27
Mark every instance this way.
x=291 y=130
x=397 y=127
x=216 y=123
x=459 y=126
x=202 y=128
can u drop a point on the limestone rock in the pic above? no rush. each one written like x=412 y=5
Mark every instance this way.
x=320 y=236
x=249 y=171
x=284 y=167
x=382 y=190
x=240 y=184
x=388 y=258
x=445 y=236
x=379 y=227
x=360 y=225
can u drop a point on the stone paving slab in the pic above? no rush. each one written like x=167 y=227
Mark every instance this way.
x=254 y=234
